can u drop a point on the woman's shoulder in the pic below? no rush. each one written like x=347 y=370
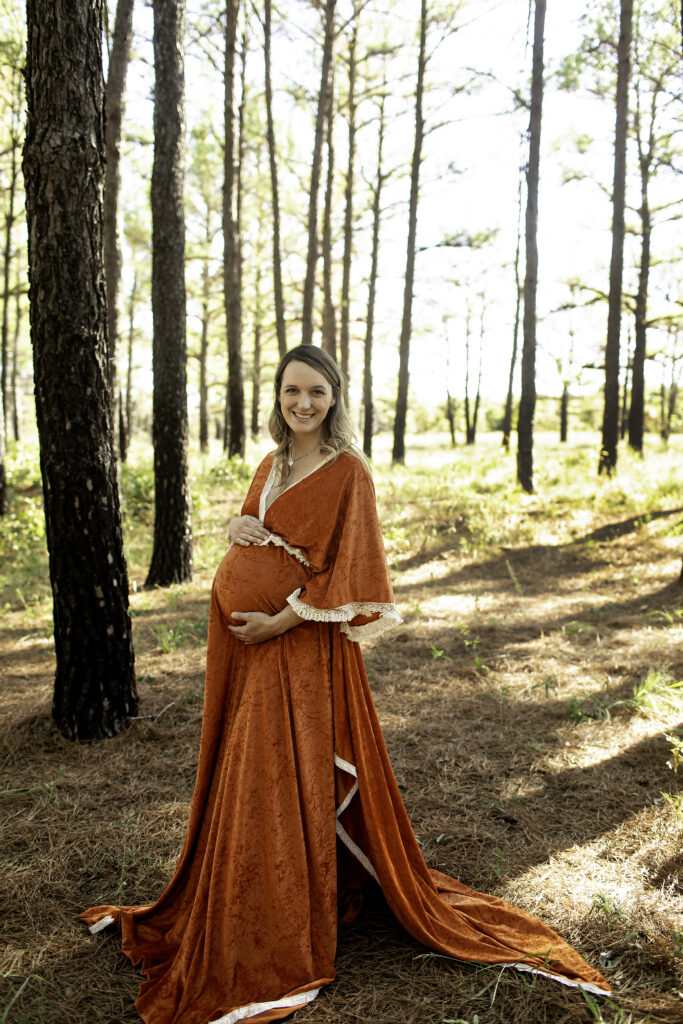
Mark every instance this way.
x=353 y=466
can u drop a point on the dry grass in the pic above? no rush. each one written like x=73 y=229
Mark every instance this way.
x=527 y=766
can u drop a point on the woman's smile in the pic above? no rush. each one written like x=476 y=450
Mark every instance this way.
x=305 y=399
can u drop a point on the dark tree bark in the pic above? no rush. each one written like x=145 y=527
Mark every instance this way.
x=94 y=693
x=316 y=166
x=172 y=552
x=564 y=411
x=646 y=153
x=114 y=110
x=399 y=446
x=507 y=415
x=231 y=233
x=204 y=348
x=272 y=157
x=471 y=421
x=329 y=339
x=348 y=197
x=527 y=403
x=368 y=409
x=610 y=419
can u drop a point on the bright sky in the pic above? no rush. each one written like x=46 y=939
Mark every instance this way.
x=469 y=182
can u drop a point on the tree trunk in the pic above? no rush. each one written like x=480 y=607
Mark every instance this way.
x=527 y=404
x=610 y=418
x=10 y=218
x=256 y=362
x=368 y=410
x=94 y=693
x=14 y=389
x=128 y=406
x=312 y=256
x=399 y=446
x=623 y=420
x=272 y=156
x=507 y=415
x=564 y=411
x=348 y=208
x=172 y=553
x=329 y=340
x=204 y=347
x=231 y=262
x=114 y=113
x=636 y=416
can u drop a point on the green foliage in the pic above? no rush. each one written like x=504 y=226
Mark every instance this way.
x=185 y=632
x=655 y=694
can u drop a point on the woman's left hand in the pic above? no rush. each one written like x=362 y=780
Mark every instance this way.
x=258 y=626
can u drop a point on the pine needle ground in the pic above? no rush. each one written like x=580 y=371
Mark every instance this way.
x=531 y=713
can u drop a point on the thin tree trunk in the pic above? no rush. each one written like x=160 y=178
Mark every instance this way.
x=469 y=435
x=625 y=393
x=312 y=253
x=636 y=417
x=129 y=371
x=272 y=156
x=14 y=388
x=564 y=411
x=477 y=397
x=94 y=694
x=507 y=415
x=235 y=434
x=399 y=446
x=256 y=362
x=368 y=410
x=610 y=419
x=114 y=112
x=348 y=207
x=204 y=347
x=10 y=218
x=329 y=340
x=172 y=553
x=527 y=403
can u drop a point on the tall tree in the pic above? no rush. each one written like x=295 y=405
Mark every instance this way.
x=610 y=419
x=119 y=57
x=507 y=415
x=380 y=178
x=348 y=196
x=272 y=159
x=235 y=433
x=399 y=449
x=527 y=403
x=172 y=553
x=94 y=691
x=316 y=166
x=329 y=338
x=11 y=216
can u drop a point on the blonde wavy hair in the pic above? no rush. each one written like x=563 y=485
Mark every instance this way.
x=337 y=435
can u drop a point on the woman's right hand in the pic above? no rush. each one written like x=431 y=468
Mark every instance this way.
x=246 y=530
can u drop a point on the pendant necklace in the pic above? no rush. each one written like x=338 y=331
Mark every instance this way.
x=292 y=461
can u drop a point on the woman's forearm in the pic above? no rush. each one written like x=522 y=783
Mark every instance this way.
x=286 y=619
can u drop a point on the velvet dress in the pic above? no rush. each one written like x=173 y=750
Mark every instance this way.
x=295 y=800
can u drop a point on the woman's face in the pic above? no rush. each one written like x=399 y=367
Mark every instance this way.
x=305 y=399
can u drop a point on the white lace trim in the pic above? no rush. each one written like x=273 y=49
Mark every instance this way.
x=346 y=839
x=243 y=1012
x=586 y=985
x=388 y=613
x=297 y=553
x=100 y=925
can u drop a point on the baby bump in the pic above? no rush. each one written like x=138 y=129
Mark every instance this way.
x=257 y=579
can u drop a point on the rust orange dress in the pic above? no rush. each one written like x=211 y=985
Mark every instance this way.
x=295 y=793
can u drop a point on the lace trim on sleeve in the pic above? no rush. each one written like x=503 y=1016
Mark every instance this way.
x=388 y=616
x=297 y=553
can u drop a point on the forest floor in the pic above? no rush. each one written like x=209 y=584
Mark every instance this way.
x=529 y=703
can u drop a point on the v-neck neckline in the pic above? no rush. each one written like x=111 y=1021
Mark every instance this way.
x=268 y=486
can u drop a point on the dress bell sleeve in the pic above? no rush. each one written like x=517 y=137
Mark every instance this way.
x=352 y=586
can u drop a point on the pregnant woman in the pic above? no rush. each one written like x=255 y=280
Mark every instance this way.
x=295 y=804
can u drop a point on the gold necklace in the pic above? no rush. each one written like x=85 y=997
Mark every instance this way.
x=299 y=457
